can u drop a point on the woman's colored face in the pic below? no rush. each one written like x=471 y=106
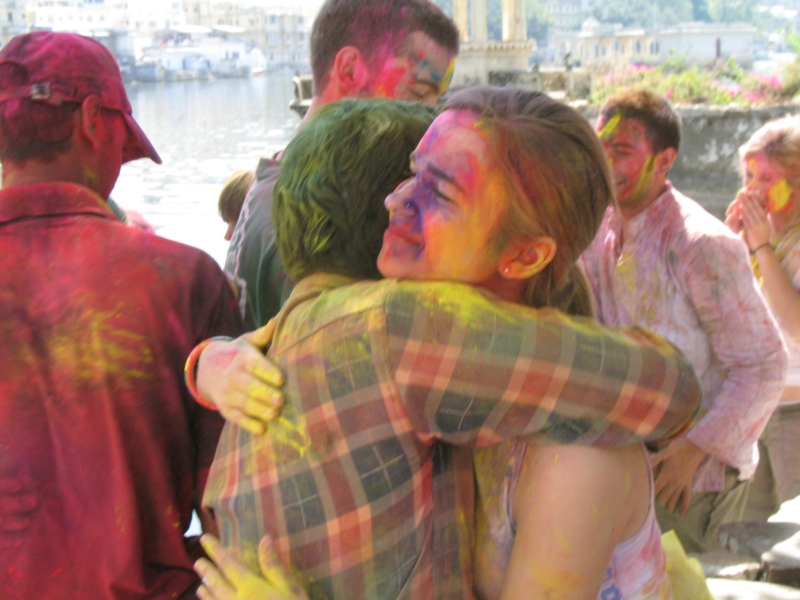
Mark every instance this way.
x=766 y=176
x=441 y=221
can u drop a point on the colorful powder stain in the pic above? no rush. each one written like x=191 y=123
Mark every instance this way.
x=610 y=127
x=779 y=196
x=645 y=177
x=448 y=76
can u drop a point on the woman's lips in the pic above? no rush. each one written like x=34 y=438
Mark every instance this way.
x=401 y=234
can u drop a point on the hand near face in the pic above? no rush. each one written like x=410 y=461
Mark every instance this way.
x=231 y=579
x=674 y=472
x=733 y=214
x=241 y=382
x=16 y=504
x=757 y=228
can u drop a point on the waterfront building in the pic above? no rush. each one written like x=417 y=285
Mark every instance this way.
x=141 y=17
x=565 y=15
x=13 y=19
x=612 y=45
x=280 y=31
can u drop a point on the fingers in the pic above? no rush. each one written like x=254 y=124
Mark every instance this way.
x=274 y=572
x=686 y=498
x=262 y=337
x=669 y=497
x=235 y=416
x=214 y=586
x=233 y=570
x=264 y=369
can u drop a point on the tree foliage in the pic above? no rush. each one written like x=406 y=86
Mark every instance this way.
x=732 y=11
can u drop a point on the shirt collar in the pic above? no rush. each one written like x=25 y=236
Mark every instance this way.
x=649 y=215
x=50 y=199
x=314 y=285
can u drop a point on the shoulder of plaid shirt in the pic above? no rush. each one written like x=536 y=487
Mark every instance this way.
x=370 y=361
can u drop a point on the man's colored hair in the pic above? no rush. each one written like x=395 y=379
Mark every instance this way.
x=335 y=174
x=372 y=25
x=662 y=123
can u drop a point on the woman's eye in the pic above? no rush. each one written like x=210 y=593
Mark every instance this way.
x=442 y=196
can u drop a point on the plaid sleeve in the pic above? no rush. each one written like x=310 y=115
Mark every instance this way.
x=471 y=370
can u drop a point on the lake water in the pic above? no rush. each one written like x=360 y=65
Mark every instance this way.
x=203 y=131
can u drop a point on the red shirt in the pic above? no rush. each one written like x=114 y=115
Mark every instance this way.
x=96 y=321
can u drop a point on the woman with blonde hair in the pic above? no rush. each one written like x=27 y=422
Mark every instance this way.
x=766 y=212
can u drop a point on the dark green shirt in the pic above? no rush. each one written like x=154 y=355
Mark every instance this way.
x=253 y=258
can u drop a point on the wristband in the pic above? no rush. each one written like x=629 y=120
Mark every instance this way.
x=191 y=366
x=757 y=248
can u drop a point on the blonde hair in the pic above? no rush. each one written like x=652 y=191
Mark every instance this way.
x=233 y=193
x=558 y=178
x=778 y=141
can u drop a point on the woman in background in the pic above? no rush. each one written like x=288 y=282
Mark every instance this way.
x=766 y=212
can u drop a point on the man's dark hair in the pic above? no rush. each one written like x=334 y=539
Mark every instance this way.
x=663 y=124
x=335 y=174
x=370 y=25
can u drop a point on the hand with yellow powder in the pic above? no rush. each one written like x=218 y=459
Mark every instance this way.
x=247 y=394
x=231 y=579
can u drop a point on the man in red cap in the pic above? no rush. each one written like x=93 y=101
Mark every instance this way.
x=103 y=454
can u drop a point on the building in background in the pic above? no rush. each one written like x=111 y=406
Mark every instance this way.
x=142 y=17
x=280 y=31
x=612 y=45
x=13 y=19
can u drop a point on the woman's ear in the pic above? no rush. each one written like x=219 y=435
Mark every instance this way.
x=527 y=257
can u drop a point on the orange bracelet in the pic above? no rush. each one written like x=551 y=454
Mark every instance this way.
x=191 y=365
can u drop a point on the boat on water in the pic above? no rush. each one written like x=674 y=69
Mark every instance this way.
x=303 y=93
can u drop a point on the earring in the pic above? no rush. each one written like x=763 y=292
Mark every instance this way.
x=507 y=270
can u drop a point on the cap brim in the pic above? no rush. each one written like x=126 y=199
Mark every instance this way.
x=137 y=145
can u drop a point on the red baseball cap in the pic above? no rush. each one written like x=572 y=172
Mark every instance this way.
x=66 y=67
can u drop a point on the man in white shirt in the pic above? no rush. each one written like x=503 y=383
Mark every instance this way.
x=662 y=262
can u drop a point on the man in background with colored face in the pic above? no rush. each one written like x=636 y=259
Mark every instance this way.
x=662 y=262
x=397 y=49
x=103 y=453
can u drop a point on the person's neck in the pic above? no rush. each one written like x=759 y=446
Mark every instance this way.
x=33 y=171
x=510 y=290
x=333 y=92
x=634 y=209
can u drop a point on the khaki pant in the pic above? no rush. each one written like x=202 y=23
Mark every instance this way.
x=777 y=477
x=699 y=527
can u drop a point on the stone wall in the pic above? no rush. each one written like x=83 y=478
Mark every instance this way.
x=707 y=168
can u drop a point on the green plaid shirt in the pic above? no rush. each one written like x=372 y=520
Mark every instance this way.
x=377 y=373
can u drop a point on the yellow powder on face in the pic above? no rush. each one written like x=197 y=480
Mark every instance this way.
x=448 y=76
x=645 y=176
x=610 y=126
x=778 y=196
